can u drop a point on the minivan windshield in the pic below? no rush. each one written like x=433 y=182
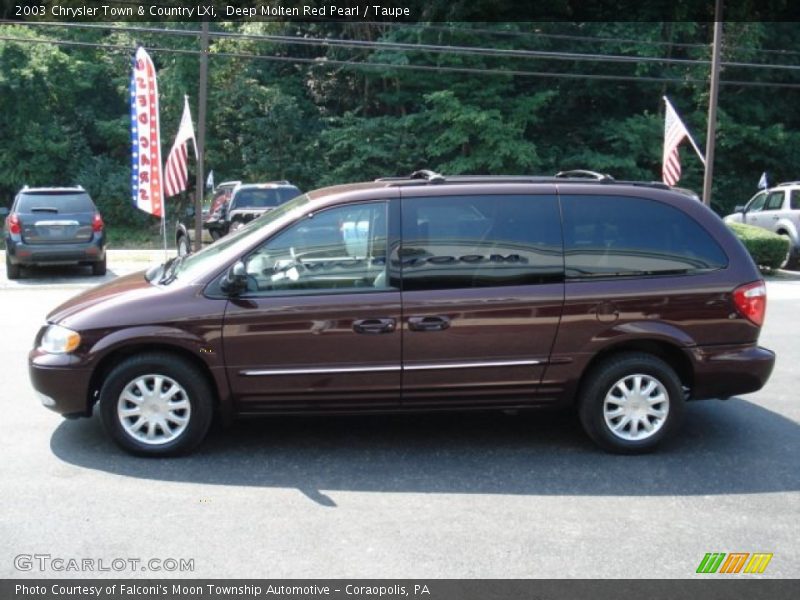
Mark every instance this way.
x=188 y=266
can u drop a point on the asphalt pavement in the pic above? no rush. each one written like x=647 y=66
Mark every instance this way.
x=489 y=496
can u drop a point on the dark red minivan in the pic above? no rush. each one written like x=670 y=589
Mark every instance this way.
x=623 y=299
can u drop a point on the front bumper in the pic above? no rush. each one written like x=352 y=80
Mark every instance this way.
x=61 y=381
x=725 y=371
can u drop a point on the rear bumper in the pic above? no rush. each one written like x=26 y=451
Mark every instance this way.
x=724 y=371
x=21 y=253
x=62 y=385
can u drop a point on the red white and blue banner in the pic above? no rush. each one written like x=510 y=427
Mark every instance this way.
x=147 y=186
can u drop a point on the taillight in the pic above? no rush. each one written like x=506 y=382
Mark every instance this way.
x=13 y=224
x=751 y=301
x=97 y=223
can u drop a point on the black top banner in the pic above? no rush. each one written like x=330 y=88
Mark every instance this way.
x=400 y=10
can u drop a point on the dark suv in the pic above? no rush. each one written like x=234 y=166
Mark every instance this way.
x=213 y=220
x=251 y=200
x=424 y=293
x=54 y=226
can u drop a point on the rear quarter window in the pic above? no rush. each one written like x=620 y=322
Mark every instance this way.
x=795 y=200
x=618 y=236
x=60 y=203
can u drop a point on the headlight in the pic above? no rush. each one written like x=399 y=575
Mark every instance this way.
x=59 y=340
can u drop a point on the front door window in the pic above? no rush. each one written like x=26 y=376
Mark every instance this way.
x=341 y=249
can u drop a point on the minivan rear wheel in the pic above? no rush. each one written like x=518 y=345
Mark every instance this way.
x=630 y=402
x=156 y=405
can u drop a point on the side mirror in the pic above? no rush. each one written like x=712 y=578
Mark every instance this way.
x=739 y=208
x=3 y=211
x=235 y=280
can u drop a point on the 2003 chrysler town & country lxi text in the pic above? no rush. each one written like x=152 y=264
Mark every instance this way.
x=424 y=293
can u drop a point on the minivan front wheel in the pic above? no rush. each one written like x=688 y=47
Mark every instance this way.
x=631 y=402
x=156 y=405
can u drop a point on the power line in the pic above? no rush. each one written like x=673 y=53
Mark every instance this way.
x=325 y=62
x=438 y=49
x=537 y=34
x=573 y=37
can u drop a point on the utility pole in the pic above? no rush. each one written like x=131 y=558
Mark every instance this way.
x=201 y=137
x=712 y=104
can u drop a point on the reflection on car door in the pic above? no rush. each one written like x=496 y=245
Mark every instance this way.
x=319 y=324
x=483 y=289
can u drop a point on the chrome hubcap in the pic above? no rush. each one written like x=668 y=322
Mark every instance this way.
x=154 y=409
x=636 y=407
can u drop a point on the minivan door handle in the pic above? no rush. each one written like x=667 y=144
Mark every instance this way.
x=428 y=323
x=374 y=325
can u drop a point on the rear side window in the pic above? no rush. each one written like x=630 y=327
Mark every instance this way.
x=264 y=198
x=795 y=199
x=613 y=236
x=55 y=203
x=480 y=241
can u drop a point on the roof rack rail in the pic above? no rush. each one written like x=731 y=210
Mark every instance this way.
x=583 y=173
x=785 y=183
x=422 y=174
x=574 y=177
x=78 y=188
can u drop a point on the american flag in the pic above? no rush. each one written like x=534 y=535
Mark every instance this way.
x=146 y=184
x=674 y=132
x=176 y=171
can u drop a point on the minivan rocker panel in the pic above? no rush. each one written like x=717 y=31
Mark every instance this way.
x=624 y=300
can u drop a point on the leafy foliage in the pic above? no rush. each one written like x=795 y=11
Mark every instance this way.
x=767 y=249
x=320 y=113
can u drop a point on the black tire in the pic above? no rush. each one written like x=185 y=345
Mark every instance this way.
x=602 y=381
x=99 y=268
x=12 y=271
x=792 y=257
x=195 y=390
x=183 y=246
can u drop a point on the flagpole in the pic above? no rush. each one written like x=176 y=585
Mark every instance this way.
x=164 y=228
x=712 y=103
x=201 y=136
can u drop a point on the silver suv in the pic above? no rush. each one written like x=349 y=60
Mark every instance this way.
x=778 y=210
